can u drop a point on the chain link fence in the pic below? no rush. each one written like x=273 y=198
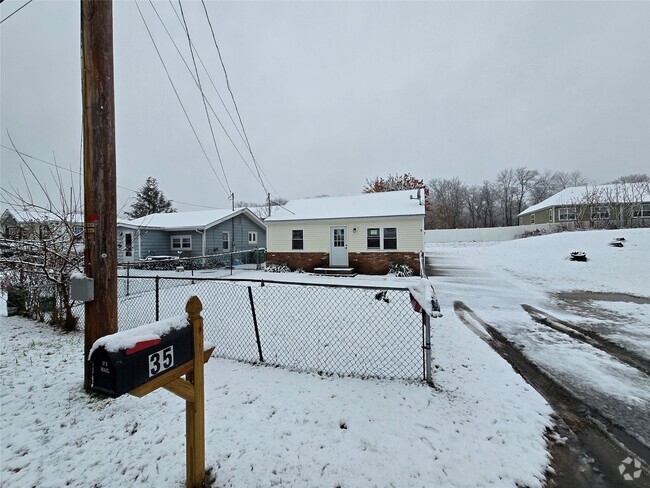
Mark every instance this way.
x=330 y=329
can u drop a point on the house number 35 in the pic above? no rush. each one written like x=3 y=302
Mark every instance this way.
x=161 y=360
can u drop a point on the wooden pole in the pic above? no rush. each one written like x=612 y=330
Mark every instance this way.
x=100 y=208
x=195 y=410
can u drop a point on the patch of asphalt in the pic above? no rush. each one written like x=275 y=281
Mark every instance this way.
x=594 y=448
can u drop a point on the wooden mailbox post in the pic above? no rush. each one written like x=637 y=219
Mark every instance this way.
x=190 y=389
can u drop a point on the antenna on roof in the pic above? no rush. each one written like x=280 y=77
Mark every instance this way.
x=418 y=197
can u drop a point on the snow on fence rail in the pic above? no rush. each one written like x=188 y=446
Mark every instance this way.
x=330 y=329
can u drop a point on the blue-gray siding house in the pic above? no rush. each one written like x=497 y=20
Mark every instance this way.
x=189 y=234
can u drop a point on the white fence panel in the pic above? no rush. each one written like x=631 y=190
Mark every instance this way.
x=482 y=234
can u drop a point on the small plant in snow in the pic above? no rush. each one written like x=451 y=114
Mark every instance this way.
x=400 y=270
x=277 y=268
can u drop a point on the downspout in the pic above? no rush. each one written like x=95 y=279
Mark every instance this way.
x=202 y=232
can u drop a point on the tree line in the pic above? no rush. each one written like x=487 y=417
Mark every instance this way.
x=453 y=204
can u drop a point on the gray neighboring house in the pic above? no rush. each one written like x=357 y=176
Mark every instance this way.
x=32 y=222
x=189 y=234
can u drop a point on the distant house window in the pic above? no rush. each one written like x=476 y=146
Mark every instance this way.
x=296 y=239
x=225 y=241
x=390 y=238
x=567 y=213
x=642 y=210
x=77 y=230
x=598 y=213
x=532 y=218
x=252 y=237
x=550 y=215
x=181 y=242
x=374 y=240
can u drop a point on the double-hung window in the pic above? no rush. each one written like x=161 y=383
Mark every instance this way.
x=381 y=238
x=252 y=237
x=297 y=242
x=642 y=210
x=567 y=213
x=532 y=218
x=181 y=243
x=373 y=239
x=599 y=213
x=390 y=237
x=225 y=240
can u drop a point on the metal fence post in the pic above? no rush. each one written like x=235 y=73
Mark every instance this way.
x=157 y=298
x=257 y=332
x=128 y=274
x=426 y=346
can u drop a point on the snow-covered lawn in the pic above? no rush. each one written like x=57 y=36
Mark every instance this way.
x=481 y=425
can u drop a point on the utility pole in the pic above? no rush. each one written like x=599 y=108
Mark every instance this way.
x=268 y=197
x=100 y=208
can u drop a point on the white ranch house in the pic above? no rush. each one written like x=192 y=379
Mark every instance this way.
x=367 y=232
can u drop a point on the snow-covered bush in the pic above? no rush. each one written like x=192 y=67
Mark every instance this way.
x=400 y=270
x=277 y=268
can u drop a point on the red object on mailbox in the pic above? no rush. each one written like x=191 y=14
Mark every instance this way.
x=139 y=346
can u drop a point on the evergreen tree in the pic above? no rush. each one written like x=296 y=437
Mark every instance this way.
x=150 y=200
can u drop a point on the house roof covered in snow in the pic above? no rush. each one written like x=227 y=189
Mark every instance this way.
x=588 y=194
x=33 y=214
x=385 y=204
x=200 y=219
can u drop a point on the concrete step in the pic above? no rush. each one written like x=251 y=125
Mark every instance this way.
x=335 y=271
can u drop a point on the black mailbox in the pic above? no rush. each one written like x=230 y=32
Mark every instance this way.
x=115 y=373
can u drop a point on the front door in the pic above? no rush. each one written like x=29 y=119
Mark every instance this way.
x=338 y=246
x=128 y=247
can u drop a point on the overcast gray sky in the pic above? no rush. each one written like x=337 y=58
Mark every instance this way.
x=334 y=93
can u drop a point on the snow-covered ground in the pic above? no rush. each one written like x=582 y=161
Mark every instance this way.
x=480 y=426
x=494 y=279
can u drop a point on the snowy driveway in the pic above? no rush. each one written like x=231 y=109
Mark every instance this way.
x=496 y=279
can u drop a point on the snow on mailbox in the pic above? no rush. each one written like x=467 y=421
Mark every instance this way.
x=128 y=359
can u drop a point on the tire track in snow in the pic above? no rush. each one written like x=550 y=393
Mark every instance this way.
x=595 y=445
x=589 y=337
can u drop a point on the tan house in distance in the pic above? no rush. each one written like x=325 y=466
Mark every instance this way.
x=624 y=204
x=367 y=232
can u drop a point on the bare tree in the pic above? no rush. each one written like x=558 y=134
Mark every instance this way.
x=633 y=178
x=542 y=188
x=448 y=198
x=525 y=179
x=562 y=180
x=262 y=209
x=41 y=248
x=506 y=183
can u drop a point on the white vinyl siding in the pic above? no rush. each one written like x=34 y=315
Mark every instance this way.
x=316 y=233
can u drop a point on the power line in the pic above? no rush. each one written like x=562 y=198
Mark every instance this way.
x=178 y=96
x=80 y=173
x=16 y=11
x=208 y=102
x=232 y=96
x=198 y=80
